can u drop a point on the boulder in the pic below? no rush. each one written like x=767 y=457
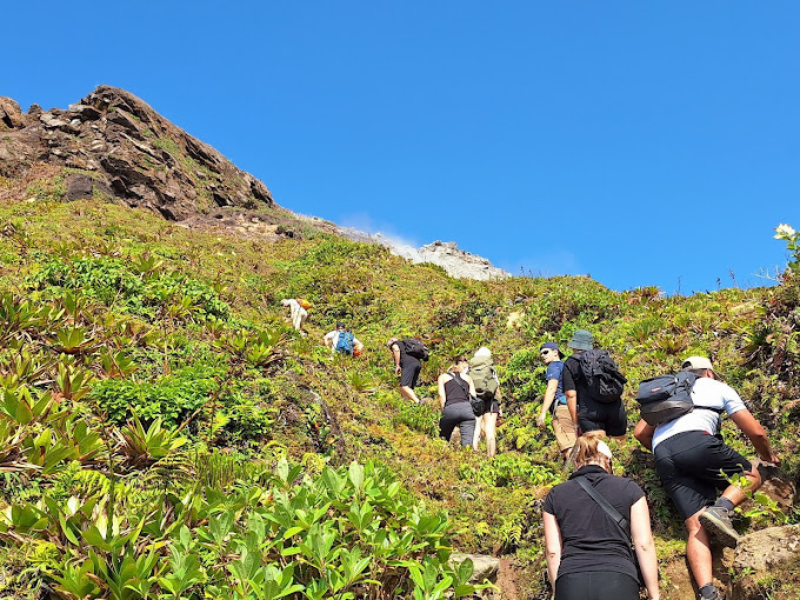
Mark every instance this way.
x=79 y=186
x=10 y=114
x=769 y=555
x=486 y=567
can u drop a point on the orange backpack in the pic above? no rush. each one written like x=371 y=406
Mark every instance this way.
x=304 y=303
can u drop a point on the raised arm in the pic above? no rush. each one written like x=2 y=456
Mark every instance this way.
x=745 y=421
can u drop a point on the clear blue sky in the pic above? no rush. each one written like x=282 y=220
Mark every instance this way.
x=643 y=143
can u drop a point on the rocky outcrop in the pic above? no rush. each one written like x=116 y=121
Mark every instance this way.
x=457 y=262
x=762 y=559
x=116 y=145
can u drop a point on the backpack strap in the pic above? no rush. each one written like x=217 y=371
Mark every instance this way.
x=460 y=382
x=612 y=512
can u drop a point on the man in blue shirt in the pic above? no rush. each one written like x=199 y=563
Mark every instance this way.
x=563 y=427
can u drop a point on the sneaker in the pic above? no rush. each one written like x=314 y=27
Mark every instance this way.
x=715 y=596
x=717 y=522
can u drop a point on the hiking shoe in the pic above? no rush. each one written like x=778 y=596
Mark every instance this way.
x=717 y=522
x=715 y=596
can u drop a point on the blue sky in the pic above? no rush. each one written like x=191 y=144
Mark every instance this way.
x=642 y=143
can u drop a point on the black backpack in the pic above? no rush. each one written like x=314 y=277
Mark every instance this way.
x=413 y=347
x=603 y=379
x=667 y=397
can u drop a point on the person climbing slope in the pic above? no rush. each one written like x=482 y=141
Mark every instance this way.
x=487 y=388
x=694 y=464
x=563 y=427
x=587 y=547
x=341 y=340
x=298 y=311
x=407 y=355
x=455 y=389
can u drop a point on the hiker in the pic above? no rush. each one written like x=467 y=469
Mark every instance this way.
x=690 y=456
x=588 y=551
x=589 y=408
x=298 y=312
x=407 y=355
x=455 y=388
x=563 y=426
x=342 y=340
x=487 y=388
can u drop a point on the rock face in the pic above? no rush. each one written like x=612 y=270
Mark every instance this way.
x=125 y=150
x=768 y=555
x=457 y=262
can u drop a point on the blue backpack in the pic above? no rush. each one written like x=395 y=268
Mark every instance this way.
x=345 y=342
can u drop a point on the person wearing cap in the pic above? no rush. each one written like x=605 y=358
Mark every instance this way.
x=487 y=422
x=588 y=552
x=694 y=464
x=407 y=367
x=563 y=426
x=588 y=413
x=332 y=338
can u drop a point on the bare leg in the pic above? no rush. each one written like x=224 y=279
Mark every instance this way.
x=408 y=393
x=476 y=439
x=490 y=423
x=698 y=551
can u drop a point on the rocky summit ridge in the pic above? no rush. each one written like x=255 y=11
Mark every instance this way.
x=113 y=145
x=120 y=147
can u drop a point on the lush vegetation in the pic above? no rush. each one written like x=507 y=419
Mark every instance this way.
x=164 y=434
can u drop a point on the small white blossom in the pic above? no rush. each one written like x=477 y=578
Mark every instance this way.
x=784 y=231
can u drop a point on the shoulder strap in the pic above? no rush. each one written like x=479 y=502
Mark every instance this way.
x=621 y=521
x=457 y=378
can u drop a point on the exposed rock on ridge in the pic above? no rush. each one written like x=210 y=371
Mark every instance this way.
x=457 y=262
x=128 y=151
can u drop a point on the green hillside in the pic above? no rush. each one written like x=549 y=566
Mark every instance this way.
x=165 y=434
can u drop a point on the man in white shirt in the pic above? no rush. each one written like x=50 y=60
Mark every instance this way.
x=690 y=460
x=342 y=340
x=298 y=313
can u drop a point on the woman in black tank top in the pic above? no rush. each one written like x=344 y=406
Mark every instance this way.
x=454 y=390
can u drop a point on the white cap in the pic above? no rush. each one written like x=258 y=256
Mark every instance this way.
x=603 y=448
x=483 y=351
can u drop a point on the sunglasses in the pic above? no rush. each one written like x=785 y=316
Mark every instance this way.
x=545 y=352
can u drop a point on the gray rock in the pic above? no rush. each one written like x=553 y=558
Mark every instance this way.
x=79 y=186
x=768 y=548
x=486 y=567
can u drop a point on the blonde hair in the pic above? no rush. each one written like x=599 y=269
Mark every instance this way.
x=591 y=449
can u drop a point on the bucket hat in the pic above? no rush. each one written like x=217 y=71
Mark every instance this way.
x=581 y=340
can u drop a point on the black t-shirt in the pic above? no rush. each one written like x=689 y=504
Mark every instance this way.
x=406 y=360
x=572 y=379
x=590 y=539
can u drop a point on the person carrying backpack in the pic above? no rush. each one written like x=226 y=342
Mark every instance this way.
x=694 y=464
x=487 y=388
x=298 y=312
x=342 y=340
x=407 y=355
x=593 y=386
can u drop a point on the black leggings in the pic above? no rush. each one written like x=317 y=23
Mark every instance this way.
x=597 y=585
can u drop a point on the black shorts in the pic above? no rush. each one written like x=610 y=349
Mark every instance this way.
x=410 y=372
x=611 y=418
x=490 y=406
x=689 y=466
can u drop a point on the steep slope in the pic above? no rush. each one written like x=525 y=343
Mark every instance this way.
x=121 y=313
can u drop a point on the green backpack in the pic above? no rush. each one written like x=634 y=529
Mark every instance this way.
x=482 y=372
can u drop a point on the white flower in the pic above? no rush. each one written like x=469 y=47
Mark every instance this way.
x=784 y=231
